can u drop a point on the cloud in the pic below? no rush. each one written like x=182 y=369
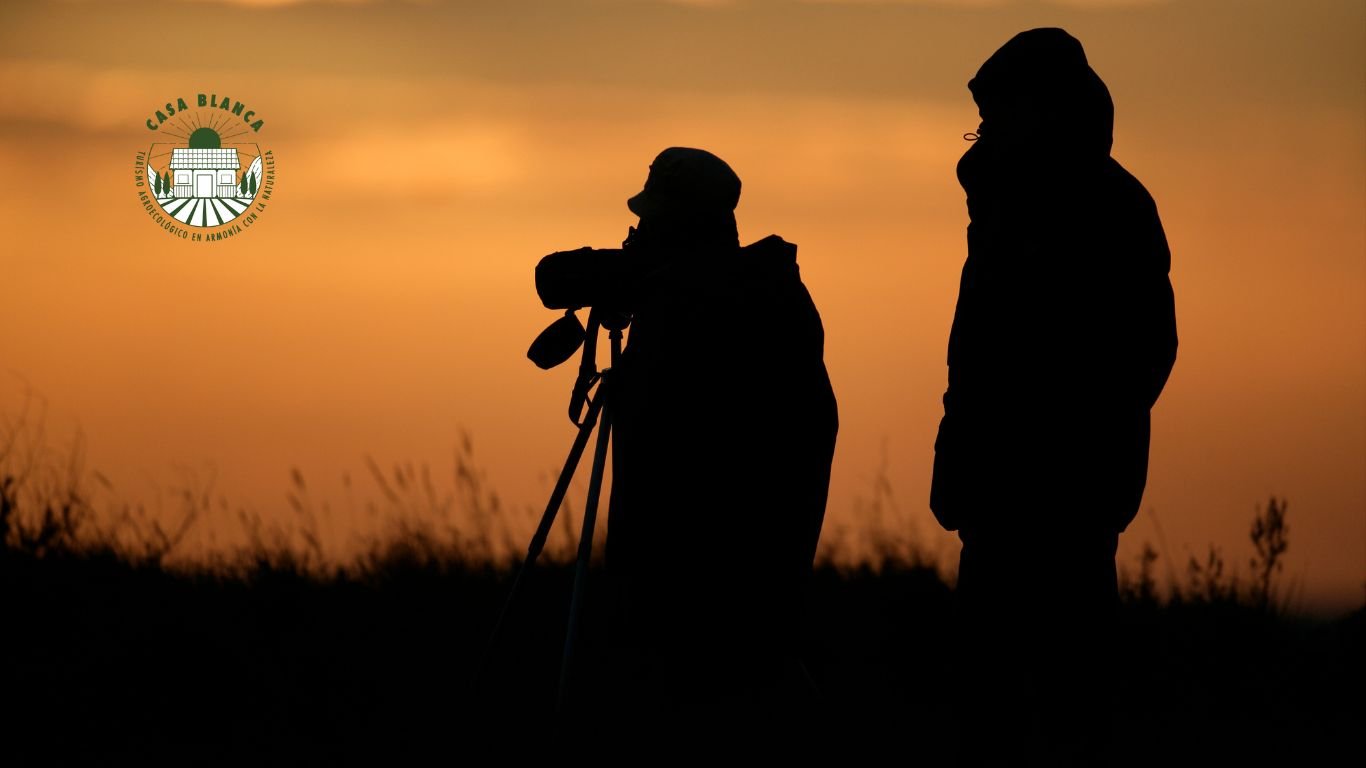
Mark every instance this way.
x=280 y=3
x=1106 y=4
x=466 y=157
x=966 y=4
x=970 y=4
x=65 y=93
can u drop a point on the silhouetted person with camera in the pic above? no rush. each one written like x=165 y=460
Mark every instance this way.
x=724 y=429
x=1063 y=337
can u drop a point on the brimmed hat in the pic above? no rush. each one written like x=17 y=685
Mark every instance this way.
x=689 y=181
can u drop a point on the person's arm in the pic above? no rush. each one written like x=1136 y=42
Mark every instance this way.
x=1159 y=309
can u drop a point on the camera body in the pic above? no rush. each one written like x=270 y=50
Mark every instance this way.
x=584 y=277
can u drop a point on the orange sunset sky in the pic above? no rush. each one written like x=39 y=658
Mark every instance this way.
x=430 y=152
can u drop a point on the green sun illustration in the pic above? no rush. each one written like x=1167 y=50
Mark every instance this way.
x=205 y=138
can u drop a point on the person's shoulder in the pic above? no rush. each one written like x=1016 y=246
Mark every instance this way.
x=772 y=248
x=1137 y=213
x=771 y=261
x=1127 y=187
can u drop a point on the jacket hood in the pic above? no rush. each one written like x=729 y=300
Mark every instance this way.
x=1038 y=89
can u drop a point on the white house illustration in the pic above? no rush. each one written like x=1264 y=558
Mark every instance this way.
x=204 y=169
x=206 y=190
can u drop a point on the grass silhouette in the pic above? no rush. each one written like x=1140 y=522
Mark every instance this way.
x=114 y=649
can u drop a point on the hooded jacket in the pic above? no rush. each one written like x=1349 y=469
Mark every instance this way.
x=1065 y=331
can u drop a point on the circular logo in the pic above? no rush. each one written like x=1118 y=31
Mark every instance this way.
x=205 y=177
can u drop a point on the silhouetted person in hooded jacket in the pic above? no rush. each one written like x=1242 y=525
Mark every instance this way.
x=724 y=425
x=1063 y=337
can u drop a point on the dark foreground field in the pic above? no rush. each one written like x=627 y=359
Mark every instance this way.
x=109 y=661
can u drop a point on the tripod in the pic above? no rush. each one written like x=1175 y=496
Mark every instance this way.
x=598 y=409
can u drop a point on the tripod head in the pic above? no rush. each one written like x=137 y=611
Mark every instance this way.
x=562 y=338
x=614 y=321
x=572 y=280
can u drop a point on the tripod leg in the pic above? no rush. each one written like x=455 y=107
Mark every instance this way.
x=590 y=513
x=538 y=539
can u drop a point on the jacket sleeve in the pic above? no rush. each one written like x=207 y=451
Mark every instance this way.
x=1159 y=339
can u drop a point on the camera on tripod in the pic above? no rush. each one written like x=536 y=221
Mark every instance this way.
x=597 y=278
